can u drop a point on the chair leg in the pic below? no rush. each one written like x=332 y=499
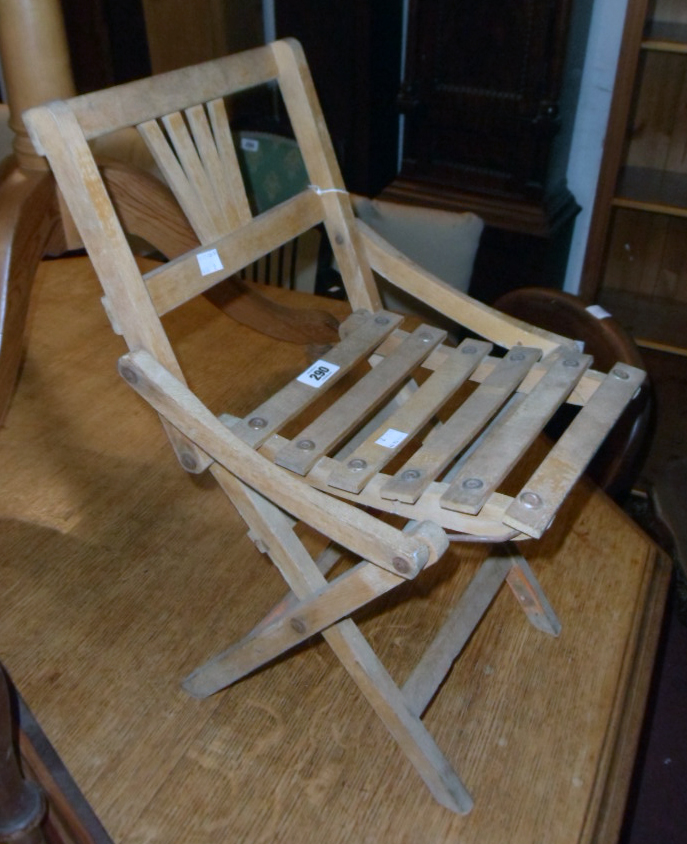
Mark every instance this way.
x=348 y=643
x=530 y=595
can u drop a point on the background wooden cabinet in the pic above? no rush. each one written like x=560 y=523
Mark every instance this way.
x=636 y=261
x=481 y=98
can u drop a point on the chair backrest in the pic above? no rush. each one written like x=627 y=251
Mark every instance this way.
x=182 y=116
x=183 y=119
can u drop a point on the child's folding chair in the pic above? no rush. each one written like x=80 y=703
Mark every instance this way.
x=391 y=444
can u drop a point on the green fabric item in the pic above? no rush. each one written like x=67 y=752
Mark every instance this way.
x=272 y=168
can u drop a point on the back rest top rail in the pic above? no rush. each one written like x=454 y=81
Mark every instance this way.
x=134 y=102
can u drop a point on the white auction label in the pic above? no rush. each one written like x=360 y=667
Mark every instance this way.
x=318 y=373
x=209 y=262
x=598 y=312
x=391 y=438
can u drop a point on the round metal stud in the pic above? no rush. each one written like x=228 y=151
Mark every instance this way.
x=357 y=464
x=410 y=475
x=382 y=320
x=305 y=445
x=620 y=373
x=473 y=483
x=571 y=362
x=257 y=422
x=468 y=350
x=518 y=356
x=530 y=500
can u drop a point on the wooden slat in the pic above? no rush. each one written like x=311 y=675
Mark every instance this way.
x=213 y=167
x=546 y=490
x=583 y=391
x=400 y=271
x=146 y=99
x=283 y=406
x=445 y=442
x=184 y=188
x=348 y=526
x=487 y=524
x=506 y=442
x=398 y=429
x=332 y=426
x=230 y=169
x=176 y=282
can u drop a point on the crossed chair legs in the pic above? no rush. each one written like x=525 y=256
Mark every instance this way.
x=315 y=605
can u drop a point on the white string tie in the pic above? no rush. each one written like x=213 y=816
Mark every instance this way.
x=319 y=191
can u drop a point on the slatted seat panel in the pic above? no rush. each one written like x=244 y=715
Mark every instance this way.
x=447 y=441
x=358 y=403
x=364 y=332
x=397 y=430
x=508 y=439
x=537 y=503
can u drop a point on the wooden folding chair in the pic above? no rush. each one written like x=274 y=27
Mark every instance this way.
x=413 y=427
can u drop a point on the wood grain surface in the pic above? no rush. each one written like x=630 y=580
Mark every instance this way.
x=120 y=573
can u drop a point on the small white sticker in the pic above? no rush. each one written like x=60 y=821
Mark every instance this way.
x=598 y=312
x=209 y=262
x=318 y=373
x=250 y=144
x=391 y=438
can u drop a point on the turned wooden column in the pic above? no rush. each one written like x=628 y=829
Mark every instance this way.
x=35 y=65
x=22 y=803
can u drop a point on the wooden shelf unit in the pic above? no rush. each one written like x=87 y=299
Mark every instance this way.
x=636 y=250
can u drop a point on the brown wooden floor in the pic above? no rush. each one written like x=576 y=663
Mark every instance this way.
x=120 y=574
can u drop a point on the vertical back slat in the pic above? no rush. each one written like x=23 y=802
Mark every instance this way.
x=215 y=171
x=186 y=194
x=231 y=170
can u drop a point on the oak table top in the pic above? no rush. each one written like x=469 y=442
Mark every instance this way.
x=119 y=574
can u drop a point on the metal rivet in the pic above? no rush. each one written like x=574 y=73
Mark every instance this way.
x=357 y=464
x=468 y=350
x=518 y=356
x=382 y=320
x=410 y=475
x=620 y=373
x=298 y=625
x=339 y=238
x=571 y=362
x=425 y=336
x=530 y=500
x=257 y=422
x=305 y=445
x=188 y=461
x=401 y=565
x=129 y=375
x=473 y=483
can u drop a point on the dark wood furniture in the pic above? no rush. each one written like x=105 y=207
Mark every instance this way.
x=635 y=263
x=481 y=99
